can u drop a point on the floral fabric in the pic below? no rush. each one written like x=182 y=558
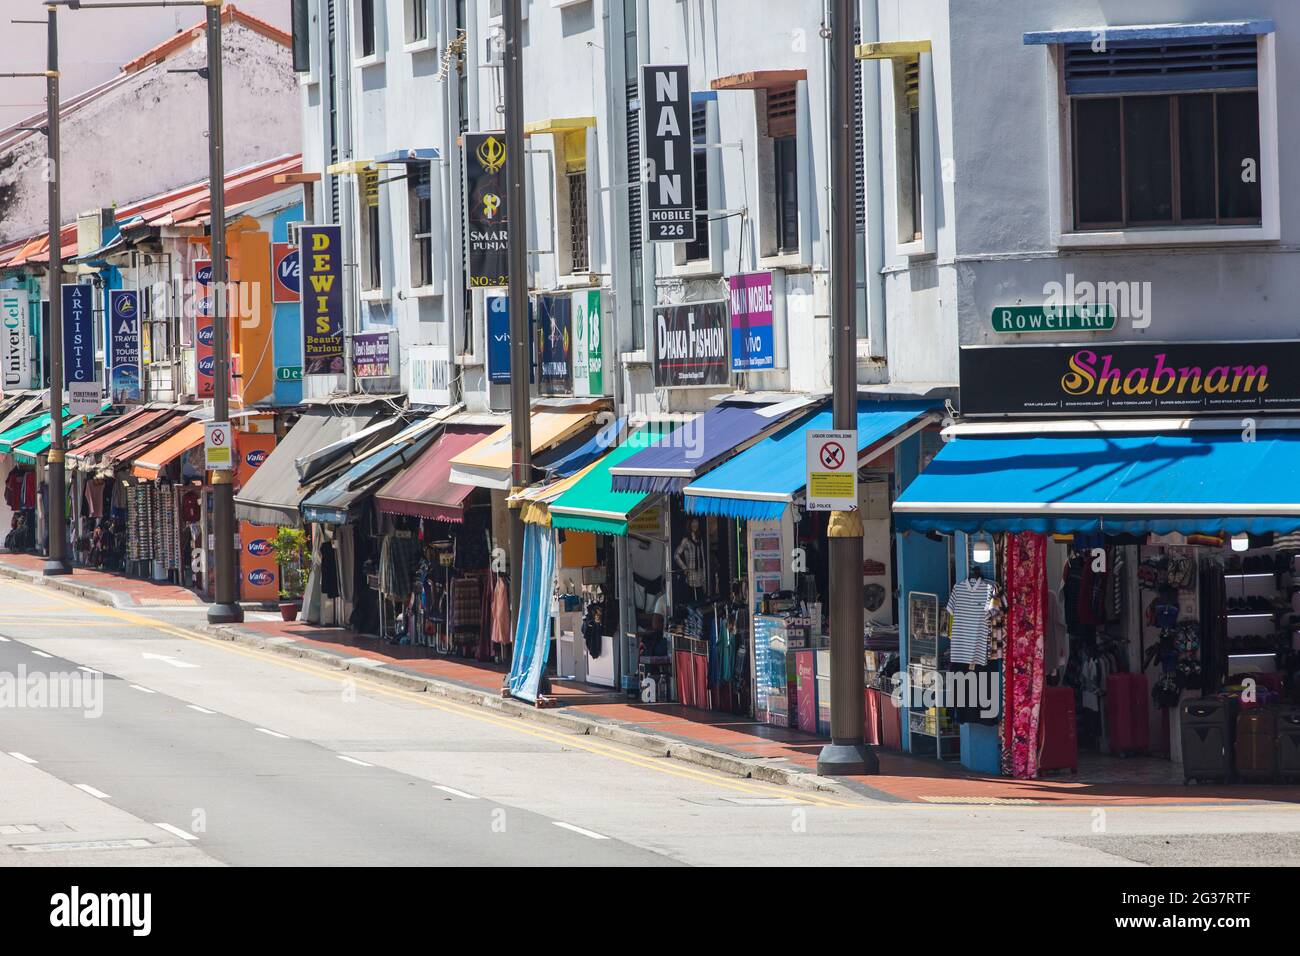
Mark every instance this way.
x=1026 y=573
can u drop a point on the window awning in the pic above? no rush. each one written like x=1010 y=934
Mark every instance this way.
x=121 y=452
x=760 y=483
x=273 y=494
x=150 y=462
x=119 y=425
x=592 y=504
x=534 y=502
x=1151 y=32
x=424 y=488
x=321 y=459
x=39 y=444
x=577 y=453
x=19 y=433
x=336 y=502
x=701 y=445
x=22 y=407
x=400 y=157
x=758 y=79
x=487 y=464
x=1209 y=482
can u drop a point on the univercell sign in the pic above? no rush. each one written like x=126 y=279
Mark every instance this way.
x=669 y=155
x=16 y=354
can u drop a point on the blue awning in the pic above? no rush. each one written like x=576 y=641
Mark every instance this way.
x=700 y=445
x=570 y=457
x=1200 y=481
x=425 y=154
x=760 y=482
x=1151 y=32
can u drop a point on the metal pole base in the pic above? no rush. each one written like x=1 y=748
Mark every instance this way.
x=849 y=759
x=54 y=567
x=225 y=614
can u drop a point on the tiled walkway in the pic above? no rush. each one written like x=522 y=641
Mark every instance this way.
x=1100 y=780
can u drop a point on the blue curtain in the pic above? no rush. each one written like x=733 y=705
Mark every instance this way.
x=533 y=631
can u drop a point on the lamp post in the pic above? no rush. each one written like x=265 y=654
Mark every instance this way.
x=225 y=609
x=521 y=446
x=847 y=752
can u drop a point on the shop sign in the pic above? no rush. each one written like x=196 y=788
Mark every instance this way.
x=1012 y=319
x=218 y=441
x=691 y=344
x=124 y=345
x=79 y=340
x=205 y=359
x=832 y=465
x=1131 y=378
x=16 y=357
x=669 y=188
x=372 y=354
x=555 y=344
x=498 y=326
x=486 y=211
x=588 y=344
x=289 y=373
x=286 y=272
x=649 y=522
x=322 y=300
x=430 y=375
x=752 y=339
x=259 y=572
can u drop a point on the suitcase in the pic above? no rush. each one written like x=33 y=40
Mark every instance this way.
x=1127 y=709
x=1256 y=745
x=1207 y=735
x=1059 y=747
x=1287 y=743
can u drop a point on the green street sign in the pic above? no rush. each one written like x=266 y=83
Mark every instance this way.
x=1053 y=318
x=289 y=373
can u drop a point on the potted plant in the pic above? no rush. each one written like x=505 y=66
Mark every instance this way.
x=290 y=547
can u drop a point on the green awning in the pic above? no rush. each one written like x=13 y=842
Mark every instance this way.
x=27 y=429
x=592 y=504
x=40 y=443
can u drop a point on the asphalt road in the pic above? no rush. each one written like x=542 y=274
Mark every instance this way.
x=210 y=753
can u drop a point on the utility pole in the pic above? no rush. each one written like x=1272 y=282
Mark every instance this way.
x=55 y=476
x=226 y=609
x=847 y=752
x=521 y=446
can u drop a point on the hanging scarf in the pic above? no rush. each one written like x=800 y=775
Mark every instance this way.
x=1023 y=668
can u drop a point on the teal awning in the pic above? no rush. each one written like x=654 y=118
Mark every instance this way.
x=760 y=482
x=40 y=442
x=1194 y=481
x=592 y=504
x=27 y=429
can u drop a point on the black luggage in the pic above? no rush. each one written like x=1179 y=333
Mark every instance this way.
x=1207 y=735
x=1256 y=745
x=1288 y=743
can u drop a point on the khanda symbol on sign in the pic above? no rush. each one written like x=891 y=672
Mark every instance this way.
x=491 y=203
x=491 y=155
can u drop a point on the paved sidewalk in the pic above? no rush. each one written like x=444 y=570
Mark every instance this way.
x=707 y=738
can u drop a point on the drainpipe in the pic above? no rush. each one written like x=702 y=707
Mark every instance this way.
x=874 y=183
x=453 y=299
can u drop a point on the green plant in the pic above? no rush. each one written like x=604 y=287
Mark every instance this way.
x=290 y=548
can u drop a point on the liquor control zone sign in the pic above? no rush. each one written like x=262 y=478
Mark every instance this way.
x=1131 y=378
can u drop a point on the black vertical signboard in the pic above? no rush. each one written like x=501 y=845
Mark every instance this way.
x=669 y=154
x=485 y=201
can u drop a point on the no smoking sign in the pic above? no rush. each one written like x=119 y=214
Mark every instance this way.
x=832 y=465
x=216 y=446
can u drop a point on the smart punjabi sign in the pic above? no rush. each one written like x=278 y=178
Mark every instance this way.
x=1130 y=378
x=669 y=154
x=486 y=211
x=321 y=269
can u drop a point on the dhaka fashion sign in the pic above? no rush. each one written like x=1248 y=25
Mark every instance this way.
x=485 y=212
x=1130 y=378
x=691 y=344
x=321 y=269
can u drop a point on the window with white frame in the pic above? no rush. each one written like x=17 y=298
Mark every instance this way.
x=778 y=145
x=1164 y=133
x=367 y=28
x=371 y=258
x=907 y=146
x=417 y=21
x=419 y=206
x=579 y=256
x=699 y=248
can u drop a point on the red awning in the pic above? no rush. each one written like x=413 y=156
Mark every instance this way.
x=113 y=431
x=424 y=489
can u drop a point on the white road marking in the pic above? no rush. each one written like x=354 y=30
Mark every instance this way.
x=88 y=670
x=176 y=831
x=201 y=710
x=364 y=661
x=167 y=660
x=42 y=654
x=23 y=757
x=4 y=640
x=359 y=763
x=454 y=792
x=271 y=733
x=91 y=790
x=587 y=833
x=143 y=690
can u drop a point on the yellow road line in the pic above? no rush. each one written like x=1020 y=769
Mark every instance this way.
x=577 y=741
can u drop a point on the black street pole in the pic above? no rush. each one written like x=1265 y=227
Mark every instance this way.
x=847 y=752
x=56 y=478
x=517 y=237
x=226 y=609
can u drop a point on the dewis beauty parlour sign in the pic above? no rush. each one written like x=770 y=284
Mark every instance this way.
x=1130 y=379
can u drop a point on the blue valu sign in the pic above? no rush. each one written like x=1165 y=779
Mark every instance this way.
x=124 y=345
